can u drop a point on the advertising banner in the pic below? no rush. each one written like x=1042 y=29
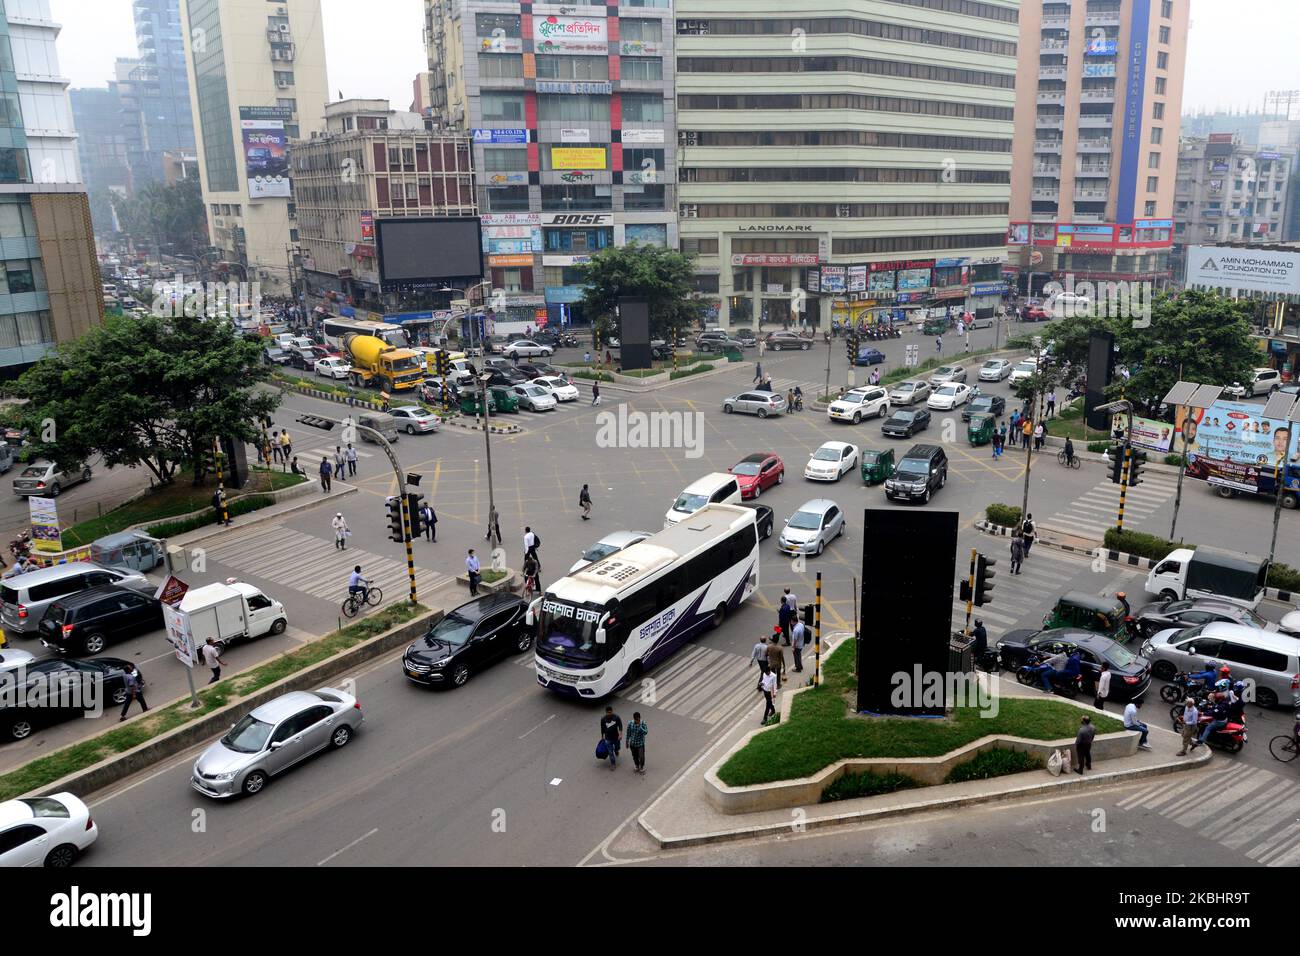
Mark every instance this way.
x=512 y=219
x=510 y=261
x=881 y=282
x=1230 y=444
x=1147 y=433
x=171 y=591
x=368 y=228
x=1018 y=234
x=179 y=635
x=814 y=280
x=833 y=279
x=910 y=280
x=500 y=136
x=857 y=278
x=575 y=136
x=266 y=154
x=570 y=35
x=46 y=534
x=1258 y=270
x=590 y=87
x=638 y=136
x=507 y=179
x=779 y=259
x=1134 y=100
x=569 y=157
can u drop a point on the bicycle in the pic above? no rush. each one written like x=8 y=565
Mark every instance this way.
x=1067 y=462
x=353 y=604
x=1284 y=747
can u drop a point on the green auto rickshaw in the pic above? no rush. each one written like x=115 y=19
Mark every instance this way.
x=934 y=327
x=877 y=465
x=503 y=399
x=981 y=428
x=1078 y=609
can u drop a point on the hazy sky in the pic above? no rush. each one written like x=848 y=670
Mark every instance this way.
x=1238 y=49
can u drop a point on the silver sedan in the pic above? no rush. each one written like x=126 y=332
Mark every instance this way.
x=272 y=738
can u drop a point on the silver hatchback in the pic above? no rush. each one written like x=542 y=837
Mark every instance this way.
x=272 y=738
x=816 y=524
x=760 y=403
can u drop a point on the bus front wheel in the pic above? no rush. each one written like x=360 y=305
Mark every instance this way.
x=719 y=615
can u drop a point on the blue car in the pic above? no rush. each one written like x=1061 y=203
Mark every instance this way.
x=870 y=356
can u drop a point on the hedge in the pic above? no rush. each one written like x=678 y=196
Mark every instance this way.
x=1280 y=576
x=852 y=785
x=994 y=763
x=237 y=507
x=693 y=370
x=1175 y=460
x=1008 y=516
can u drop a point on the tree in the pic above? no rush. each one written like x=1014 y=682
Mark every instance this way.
x=172 y=215
x=1193 y=336
x=663 y=277
x=149 y=391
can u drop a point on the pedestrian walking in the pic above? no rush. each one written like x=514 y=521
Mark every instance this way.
x=586 y=356
x=531 y=541
x=759 y=656
x=1028 y=533
x=584 y=502
x=611 y=731
x=472 y=567
x=776 y=658
x=341 y=531
x=769 y=685
x=1015 y=425
x=996 y=442
x=1131 y=722
x=1083 y=744
x=286 y=445
x=493 y=526
x=595 y=393
x=134 y=690
x=351 y=457
x=340 y=463
x=783 y=616
x=1191 y=721
x=430 y=522
x=325 y=472
x=1017 y=552
x=275 y=445
x=220 y=507
x=938 y=344
x=758 y=372
x=1103 y=688
x=797 y=640
x=1051 y=404
x=212 y=657
x=1038 y=437
x=636 y=734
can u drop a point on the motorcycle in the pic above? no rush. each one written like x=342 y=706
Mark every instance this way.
x=1181 y=688
x=1027 y=674
x=1230 y=738
x=21 y=546
x=988 y=660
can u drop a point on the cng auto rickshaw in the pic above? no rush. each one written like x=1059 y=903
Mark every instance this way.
x=1102 y=615
x=981 y=428
x=500 y=399
x=934 y=326
x=877 y=465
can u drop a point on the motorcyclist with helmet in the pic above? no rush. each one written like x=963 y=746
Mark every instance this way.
x=1217 y=707
x=1204 y=677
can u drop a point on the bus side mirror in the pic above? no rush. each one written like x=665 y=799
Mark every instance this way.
x=600 y=635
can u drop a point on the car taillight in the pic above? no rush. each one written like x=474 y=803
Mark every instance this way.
x=1131 y=680
x=90 y=823
x=40 y=484
x=1295 y=681
x=22 y=611
x=67 y=630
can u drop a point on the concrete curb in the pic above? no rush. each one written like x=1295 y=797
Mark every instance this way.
x=261 y=516
x=328 y=396
x=478 y=427
x=154 y=751
x=293 y=491
x=718 y=369
x=508 y=583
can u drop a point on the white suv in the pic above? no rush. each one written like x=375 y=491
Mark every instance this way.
x=1265 y=380
x=871 y=402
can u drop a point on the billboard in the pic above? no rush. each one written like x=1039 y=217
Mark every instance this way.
x=1232 y=444
x=428 y=250
x=1134 y=100
x=1257 y=270
x=910 y=280
x=266 y=150
x=833 y=279
x=513 y=136
x=570 y=35
x=857 y=278
x=1147 y=433
x=572 y=157
x=46 y=534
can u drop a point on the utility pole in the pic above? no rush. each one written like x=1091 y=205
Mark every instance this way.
x=487 y=444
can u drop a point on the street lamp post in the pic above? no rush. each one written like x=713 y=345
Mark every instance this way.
x=492 y=529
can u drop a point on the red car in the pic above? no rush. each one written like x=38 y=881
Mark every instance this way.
x=1036 y=313
x=758 y=471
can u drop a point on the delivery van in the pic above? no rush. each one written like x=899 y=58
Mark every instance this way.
x=1184 y=574
x=229 y=612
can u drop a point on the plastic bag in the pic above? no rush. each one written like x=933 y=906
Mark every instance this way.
x=602 y=750
x=1055 y=764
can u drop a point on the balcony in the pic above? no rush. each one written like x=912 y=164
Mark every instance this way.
x=1092 y=169
x=1094 y=121
x=1212 y=213
x=1056 y=21
x=1051 y=72
x=1088 y=216
x=1097 y=96
x=1046 y=169
x=282 y=53
x=1047 y=146
x=1090 y=195
x=1110 y=19
x=1045 y=99
x=1052 y=46
x=1093 y=146
x=1050 y=122
x=1047 y=193
x=277 y=35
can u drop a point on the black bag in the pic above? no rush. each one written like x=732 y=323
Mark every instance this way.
x=537 y=540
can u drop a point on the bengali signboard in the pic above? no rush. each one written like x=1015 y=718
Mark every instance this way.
x=881 y=282
x=570 y=157
x=266 y=150
x=779 y=259
x=833 y=279
x=1231 y=444
x=1147 y=433
x=46 y=533
x=857 y=279
x=570 y=35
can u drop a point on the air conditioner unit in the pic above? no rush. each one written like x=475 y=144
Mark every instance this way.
x=688 y=137
x=283 y=84
x=690 y=210
x=284 y=28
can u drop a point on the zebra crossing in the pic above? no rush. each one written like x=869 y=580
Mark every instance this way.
x=1093 y=512
x=1243 y=808
x=277 y=554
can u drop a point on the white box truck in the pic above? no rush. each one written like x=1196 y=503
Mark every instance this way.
x=229 y=612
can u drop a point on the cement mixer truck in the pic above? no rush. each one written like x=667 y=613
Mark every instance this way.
x=377 y=364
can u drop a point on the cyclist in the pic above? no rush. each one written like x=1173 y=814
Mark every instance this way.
x=531 y=567
x=1069 y=455
x=358 y=585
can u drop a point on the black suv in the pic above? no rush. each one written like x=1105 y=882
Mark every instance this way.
x=498 y=375
x=920 y=473
x=90 y=619
x=468 y=639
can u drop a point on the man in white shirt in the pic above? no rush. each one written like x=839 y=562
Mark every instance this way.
x=212 y=657
x=769 y=686
x=1131 y=722
x=530 y=546
x=1103 y=688
x=341 y=532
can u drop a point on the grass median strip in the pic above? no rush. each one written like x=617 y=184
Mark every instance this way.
x=46 y=770
x=821 y=730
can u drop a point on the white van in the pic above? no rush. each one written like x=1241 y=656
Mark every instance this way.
x=717 y=488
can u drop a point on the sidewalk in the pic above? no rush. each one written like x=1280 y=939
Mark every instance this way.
x=303 y=502
x=683 y=816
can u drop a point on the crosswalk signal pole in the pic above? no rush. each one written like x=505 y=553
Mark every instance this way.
x=406 y=536
x=221 y=483
x=817 y=635
x=968 y=591
x=1123 y=487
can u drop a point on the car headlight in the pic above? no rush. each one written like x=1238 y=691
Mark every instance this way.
x=224 y=776
x=441 y=663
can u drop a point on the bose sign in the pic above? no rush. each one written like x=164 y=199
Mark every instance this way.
x=578 y=219
x=1244 y=268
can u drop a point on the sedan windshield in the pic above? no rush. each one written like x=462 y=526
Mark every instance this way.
x=746 y=469
x=947 y=390
x=905 y=387
x=827 y=454
x=806 y=520
x=902 y=416
x=248 y=736
x=689 y=504
x=854 y=398
x=1025 y=367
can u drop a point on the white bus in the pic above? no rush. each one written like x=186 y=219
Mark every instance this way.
x=602 y=627
x=335 y=327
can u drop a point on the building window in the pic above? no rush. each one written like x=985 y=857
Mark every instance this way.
x=842 y=101
x=593 y=109
x=865 y=66
x=21 y=275
x=1167 y=9
x=1158 y=111
x=1160 y=85
x=642 y=68
x=503 y=107
x=1153 y=184
x=487 y=25
x=647 y=31
x=643 y=197
x=1157 y=134
x=513 y=280
x=16 y=221
x=283 y=78
x=1162 y=61
x=25 y=328
x=507 y=199
x=560 y=67
x=658 y=4
x=1153 y=161
x=496 y=160
x=643 y=108
x=565 y=198
x=701 y=246
x=644 y=161
x=1149 y=208
x=1164 y=34
x=10 y=113
x=578 y=240
x=501 y=66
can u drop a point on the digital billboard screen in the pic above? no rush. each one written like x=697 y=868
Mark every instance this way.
x=428 y=250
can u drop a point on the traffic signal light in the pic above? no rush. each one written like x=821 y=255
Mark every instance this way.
x=1135 y=471
x=808 y=614
x=965 y=591
x=395 y=530
x=413 y=499
x=441 y=363
x=1117 y=466
x=984 y=575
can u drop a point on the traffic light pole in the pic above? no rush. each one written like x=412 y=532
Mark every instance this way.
x=970 y=599
x=1278 y=483
x=1123 y=485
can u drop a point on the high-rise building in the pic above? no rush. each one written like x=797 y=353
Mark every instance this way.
x=571 y=113
x=162 y=85
x=50 y=286
x=1097 y=129
x=257 y=80
x=847 y=159
x=372 y=162
x=102 y=148
x=1230 y=192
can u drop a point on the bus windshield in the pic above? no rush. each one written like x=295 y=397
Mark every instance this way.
x=569 y=634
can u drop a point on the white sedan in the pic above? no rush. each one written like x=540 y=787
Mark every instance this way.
x=905 y=393
x=413 y=418
x=1023 y=370
x=949 y=396
x=45 y=831
x=523 y=348
x=562 y=390
x=11 y=659
x=995 y=370
x=333 y=367
x=831 y=462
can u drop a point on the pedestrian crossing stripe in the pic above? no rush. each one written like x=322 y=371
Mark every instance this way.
x=328 y=452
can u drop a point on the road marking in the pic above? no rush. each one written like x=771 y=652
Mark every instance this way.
x=542 y=724
x=556 y=781
x=348 y=847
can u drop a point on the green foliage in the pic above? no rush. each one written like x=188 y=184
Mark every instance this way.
x=491 y=576
x=1175 y=460
x=172 y=215
x=1100 y=446
x=663 y=277
x=239 y=506
x=1141 y=544
x=994 y=763
x=852 y=785
x=693 y=370
x=1008 y=516
x=1283 y=577
x=146 y=391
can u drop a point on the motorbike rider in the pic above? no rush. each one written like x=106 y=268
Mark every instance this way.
x=1217 y=707
x=1204 y=677
x=1237 y=705
x=798 y=398
x=1052 y=666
